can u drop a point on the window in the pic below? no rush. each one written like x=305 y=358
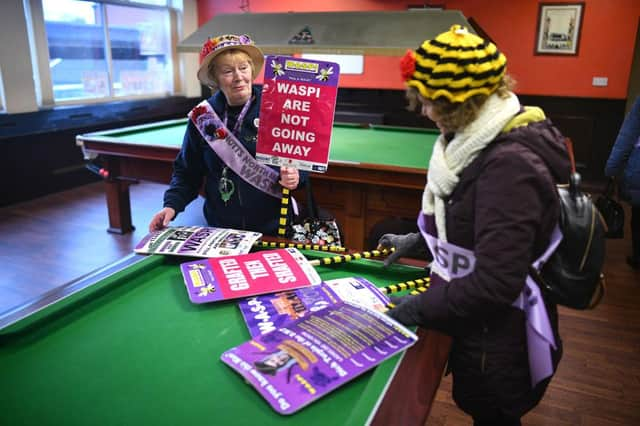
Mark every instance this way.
x=101 y=51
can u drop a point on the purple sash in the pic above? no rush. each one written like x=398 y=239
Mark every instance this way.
x=451 y=261
x=234 y=154
x=539 y=334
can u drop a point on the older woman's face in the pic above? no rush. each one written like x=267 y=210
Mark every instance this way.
x=234 y=74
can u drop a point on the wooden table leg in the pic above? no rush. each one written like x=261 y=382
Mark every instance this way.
x=118 y=206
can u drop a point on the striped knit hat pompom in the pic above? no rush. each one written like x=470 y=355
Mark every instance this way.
x=455 y=65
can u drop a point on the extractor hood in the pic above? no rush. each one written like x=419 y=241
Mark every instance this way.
x=373 y=33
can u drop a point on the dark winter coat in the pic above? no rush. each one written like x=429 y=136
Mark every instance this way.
x=504 y=209
x=624 y=160
x=249 y=208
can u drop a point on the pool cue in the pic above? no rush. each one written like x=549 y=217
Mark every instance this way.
x=349 y=257
x=284 y=208
x=301 y=246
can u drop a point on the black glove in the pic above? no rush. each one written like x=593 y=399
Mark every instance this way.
x=398 y=300
x=407 y=245
x=406 y=310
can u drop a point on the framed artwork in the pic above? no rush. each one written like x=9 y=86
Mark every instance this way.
x=559 y=28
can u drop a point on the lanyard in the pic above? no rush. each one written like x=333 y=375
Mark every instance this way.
x=240 y=118
x=226 y=187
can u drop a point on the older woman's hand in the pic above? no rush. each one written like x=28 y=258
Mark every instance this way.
x=289 y=177
x=161 y=219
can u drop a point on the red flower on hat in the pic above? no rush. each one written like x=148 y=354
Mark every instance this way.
x=208 y=47
x=408 y=65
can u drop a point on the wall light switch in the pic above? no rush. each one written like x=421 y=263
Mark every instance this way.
x=600 y=81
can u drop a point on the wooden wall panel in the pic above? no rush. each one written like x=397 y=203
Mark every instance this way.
x=38 y=151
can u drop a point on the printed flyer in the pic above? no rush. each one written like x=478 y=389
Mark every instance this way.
x=268 y=312
x=232 y=277
x=197 y=241
x=296 y=112
x=308 y=358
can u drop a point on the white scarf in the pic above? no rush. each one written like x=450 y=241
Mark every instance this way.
x=450 y=159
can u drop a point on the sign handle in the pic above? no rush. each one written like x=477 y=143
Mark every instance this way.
x=284 y=208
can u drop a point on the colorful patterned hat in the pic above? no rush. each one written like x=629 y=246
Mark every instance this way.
x=455 y=65
x=216 y=45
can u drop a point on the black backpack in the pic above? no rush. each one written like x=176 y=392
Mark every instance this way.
x=572 y=276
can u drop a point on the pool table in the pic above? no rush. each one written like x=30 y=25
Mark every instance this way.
x=125 y=346
x=374 y=171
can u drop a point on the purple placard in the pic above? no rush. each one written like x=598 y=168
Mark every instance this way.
x=246 y=275
x=197 y=241
x=200 y=281
x=268 y=312
x=296 y=112
x=321 y=73
x=297 y=364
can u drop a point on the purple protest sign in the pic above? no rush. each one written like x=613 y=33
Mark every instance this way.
x=268 y=312
x=296 y=112
x=197 y=241
x=234 y=277
x=306 y=359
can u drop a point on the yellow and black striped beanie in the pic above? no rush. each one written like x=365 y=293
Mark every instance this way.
x=455 y=65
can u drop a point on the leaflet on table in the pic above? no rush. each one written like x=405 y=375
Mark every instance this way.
x=245 y=275
x=308 y=358
x=268 y=312
x=197 y=241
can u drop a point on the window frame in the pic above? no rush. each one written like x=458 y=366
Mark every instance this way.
x=39 y=47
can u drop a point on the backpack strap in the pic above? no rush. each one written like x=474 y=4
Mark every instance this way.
x=569 y=144
x=527 y=114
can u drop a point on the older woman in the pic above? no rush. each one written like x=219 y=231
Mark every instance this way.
x=488 y=212
x=219 y=146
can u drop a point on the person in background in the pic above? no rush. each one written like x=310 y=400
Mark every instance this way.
x=489 y=210
x=219 y=146
x=624 y=163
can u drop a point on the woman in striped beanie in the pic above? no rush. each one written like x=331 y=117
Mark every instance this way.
x=488 y=212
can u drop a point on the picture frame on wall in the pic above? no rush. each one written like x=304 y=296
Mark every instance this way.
x=559 y=26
